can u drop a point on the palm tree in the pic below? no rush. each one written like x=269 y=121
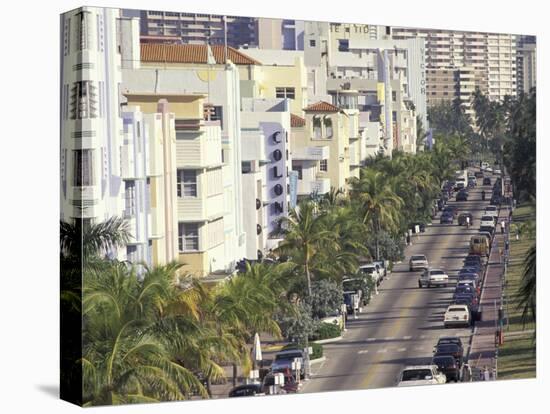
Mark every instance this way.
x=124 y=359
x=305 y=236
x=380 y=205
x=528 y=288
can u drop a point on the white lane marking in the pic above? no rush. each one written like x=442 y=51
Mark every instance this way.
x=406 y=338
x=419 y=348
x=371 y=339
x=389 y=338
x=422 y=336
x=401 y=349
x=382 y=351
x=363 y=351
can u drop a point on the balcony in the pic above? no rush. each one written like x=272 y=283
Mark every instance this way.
x=197 y=145
x=192 y=209
x=319 y=186
x=311 y=153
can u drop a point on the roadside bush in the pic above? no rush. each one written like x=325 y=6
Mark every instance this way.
x=326 y=331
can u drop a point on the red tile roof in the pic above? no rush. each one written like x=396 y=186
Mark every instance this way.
x=183 y=53
x=296 y=121
x=322 y=106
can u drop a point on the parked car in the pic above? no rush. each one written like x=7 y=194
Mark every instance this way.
x=447 y=365
x=456 y=315
x=284 y=359
x=462 y=219
x=290 y=385
x=418 y=262
x=487 y=220
x=433 y=277
x=473 y=259
x=488 y=229
x=468 y=275
x=382 y=267
x=487 y=235
x=479 y=246
x=464 y=290
x=446 y=218
x=496 y=199
x=471 y=283
x=352 y=300
x=454 y=350
x=449 y=340
x=491 y=210
x=247 y=390
x=357 y=285
x=472 y=182
x=420 y=375
x=486 y=180
x=372 y=270
x=472 y=302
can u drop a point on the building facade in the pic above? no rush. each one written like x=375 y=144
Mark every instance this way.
x=526 y=63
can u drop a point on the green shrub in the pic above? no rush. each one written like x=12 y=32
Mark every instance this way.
x=326 y=331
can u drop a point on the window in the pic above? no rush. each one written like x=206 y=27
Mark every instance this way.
x=316 y=127
x=343 y=45
x=298 y=169
x=246 y=167
x=323 y=165
x=311 y=43
x=82 y=175
x=394 y=96
x=188 y=237
x=328 y=126
x=83 y=35
x=214 y=113
x=131 y=254
x=130 y=198
x=187 y=183
x=83 y=100
x=394 y=116
x=285 y=92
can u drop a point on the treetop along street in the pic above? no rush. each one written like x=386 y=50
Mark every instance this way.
x=154 y=334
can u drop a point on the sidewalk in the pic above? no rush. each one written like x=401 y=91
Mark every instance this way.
x=483 y=351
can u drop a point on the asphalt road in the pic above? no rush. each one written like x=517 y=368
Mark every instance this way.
x=403 y=322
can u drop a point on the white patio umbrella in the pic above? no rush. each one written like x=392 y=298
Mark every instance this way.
x=256 y=348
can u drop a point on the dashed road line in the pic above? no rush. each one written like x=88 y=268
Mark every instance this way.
x=363 y=351
x=382 y=351
x=406 y=338
x=401 y=349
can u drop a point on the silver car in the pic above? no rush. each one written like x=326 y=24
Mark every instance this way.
x=418 y=262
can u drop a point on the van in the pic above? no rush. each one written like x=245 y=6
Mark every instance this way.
x=479 y=245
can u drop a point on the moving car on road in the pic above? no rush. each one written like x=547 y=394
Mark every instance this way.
x=451 y=209
x=433 y=277
x=486 y=180
x=491 y=211
x=487 y=221
x=462 y=195
x=418 y=262
x=457 y=315
x=463 y=219
x=420 y=375
x=449 y=340
x=446 y=218
x=454 y=350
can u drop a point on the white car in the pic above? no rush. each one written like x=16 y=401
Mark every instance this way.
x=484 y=165
x=457 y=315
x=433 y=277
x=418 y=262
x=487 y=220
x=491 y=210
x=420 y=375
x=371 y=269
x=489 y=169
x=498 y=172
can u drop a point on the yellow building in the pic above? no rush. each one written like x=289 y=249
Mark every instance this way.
x=197 y=185
x=327 y=125
x=280 y=74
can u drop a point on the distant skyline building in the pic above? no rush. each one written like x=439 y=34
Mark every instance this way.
x=526 y=63
x=491 y=55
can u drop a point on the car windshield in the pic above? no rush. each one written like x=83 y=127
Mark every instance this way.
x=416 y=374
x=446 y=348
x=458 y=309
x=444 y=361
x=418 y=257
x=292 y=355
x=437 y=272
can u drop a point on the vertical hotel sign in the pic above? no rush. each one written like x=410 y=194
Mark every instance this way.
x=276 y=147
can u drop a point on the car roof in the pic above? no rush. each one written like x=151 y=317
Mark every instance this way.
x=290 y=351
x=457 y=306
x=411 y=367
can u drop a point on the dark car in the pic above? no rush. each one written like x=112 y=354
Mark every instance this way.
x=462 y=290
x=462 y=196
x=449 y=340
x=284 y=359
x=486 y=180
x=453 y=350
x=487 y=229
x=446 y=218
x=462 y=218
x=468 y=275
x=441 y=203
x=478 y=174
x=451 y=209
x=473 y=258
x=496 y=200
x=448 y=365
x=459 y=186
x=421 y=226
x=472 y=183
x=248 y=390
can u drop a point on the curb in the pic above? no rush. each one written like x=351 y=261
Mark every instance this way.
x=316 y=361
x=329 y=340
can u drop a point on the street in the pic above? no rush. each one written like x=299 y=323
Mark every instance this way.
x=403 y=322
